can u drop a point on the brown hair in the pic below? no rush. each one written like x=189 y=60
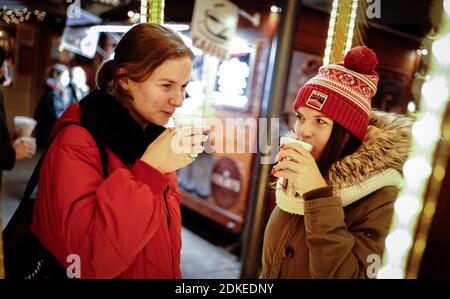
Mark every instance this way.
x=341 y=143
x=139 y=52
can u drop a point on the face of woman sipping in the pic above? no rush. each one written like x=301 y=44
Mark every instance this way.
x=314 y=128
x=156 y=98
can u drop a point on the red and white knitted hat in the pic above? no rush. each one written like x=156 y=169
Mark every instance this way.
x=343 y=92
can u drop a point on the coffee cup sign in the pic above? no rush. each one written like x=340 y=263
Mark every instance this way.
x=226 y=182
x=214 y=24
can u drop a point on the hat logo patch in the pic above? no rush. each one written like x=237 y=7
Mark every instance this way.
x=316 y=100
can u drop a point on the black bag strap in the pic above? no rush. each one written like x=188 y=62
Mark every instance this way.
x=103 y=157
x=34 y=179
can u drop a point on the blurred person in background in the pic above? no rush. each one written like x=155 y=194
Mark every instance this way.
x=55 y=100
x=20 y=148
x=78 y=82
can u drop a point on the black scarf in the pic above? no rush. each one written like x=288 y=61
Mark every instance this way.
x=111 y=124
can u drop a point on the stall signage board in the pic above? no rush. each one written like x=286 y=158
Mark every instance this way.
x=214 y=24
x=226 y=182
x=82 y=41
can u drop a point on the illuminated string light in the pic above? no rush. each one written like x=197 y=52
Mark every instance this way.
x=440 y=49
x=21 y=15
x=157 y=11
x=436 y=90
x=332 y=24
x=144 y=11
x=351 y=26
x=275 y=9
x=426 y=131
x=152 y=11
x=406 y=207
x=447 y=6
x=422 y=52
x=397 y=243
x=418 y=169
x=411 y=106
x=348 y=17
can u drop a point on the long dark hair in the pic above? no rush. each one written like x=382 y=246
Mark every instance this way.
x=341 y=143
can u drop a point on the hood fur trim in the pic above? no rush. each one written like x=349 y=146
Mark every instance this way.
x=387 y=144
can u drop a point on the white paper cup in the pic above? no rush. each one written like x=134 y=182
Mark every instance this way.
x=24 y=125
x=183 y=120
x=285 y=140
x=185 y=124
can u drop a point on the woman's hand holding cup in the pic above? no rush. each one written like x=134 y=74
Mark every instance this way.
x=295 y=163
x=175 y=148
x=25 y=147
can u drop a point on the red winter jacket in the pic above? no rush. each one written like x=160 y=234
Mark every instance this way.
x=119 y=226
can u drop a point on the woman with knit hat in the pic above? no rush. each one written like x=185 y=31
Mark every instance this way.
x=332 y=217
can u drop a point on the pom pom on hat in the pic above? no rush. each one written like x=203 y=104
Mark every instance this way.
x=343 y=92
x=361 y=59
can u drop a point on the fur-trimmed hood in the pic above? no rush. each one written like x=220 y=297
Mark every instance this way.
x=386 y=145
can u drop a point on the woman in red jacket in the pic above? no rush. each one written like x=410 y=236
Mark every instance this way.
x=127 y=225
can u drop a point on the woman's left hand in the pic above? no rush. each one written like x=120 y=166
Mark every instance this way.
x=301 y=170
